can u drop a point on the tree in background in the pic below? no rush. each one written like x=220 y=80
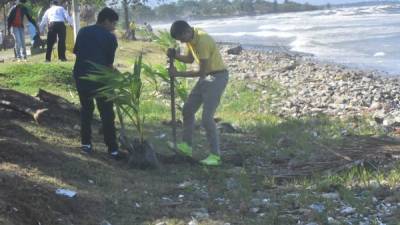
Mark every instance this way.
x=189 y=8
x=167 y=11
x=142 y=13
x=261 y=6
x=275 y=6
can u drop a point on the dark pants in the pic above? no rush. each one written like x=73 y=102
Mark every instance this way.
x=56 y=29
x=107 y=118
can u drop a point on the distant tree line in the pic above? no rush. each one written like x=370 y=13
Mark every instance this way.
x=200 y=9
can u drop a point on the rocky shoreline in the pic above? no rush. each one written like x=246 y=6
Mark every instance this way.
x=310 y=87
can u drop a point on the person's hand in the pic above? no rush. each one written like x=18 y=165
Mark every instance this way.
x=171 y=53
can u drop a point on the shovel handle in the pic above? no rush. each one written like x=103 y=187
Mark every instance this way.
x=173 y=109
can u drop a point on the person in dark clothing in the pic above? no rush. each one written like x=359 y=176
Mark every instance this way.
x=96 y=44
x=15 y=20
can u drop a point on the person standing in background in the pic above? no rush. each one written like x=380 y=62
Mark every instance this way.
x=15 y=20
x=132 y=27
x=55 y=17
x=1 y=40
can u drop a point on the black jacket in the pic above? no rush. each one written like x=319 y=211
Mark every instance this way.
x=24 y=12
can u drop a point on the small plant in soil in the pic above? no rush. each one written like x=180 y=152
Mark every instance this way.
x=125 y=90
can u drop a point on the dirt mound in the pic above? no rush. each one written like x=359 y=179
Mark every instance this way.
x=26 y=159
x=45 y=108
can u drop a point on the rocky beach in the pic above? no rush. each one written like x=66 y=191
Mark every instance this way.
x=309 y=87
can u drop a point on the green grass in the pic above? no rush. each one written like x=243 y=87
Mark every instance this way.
x=29 y=77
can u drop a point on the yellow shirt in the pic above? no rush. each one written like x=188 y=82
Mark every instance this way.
x=203 y=47
x=132 y=25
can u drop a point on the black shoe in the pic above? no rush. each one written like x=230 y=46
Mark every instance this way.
x=47 y=60
x=63 y=60
x=87 y=149
x=117 y=155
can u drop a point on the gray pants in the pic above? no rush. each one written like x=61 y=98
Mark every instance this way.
x=207 y=91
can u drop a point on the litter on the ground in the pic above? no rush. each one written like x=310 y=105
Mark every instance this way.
x=66 y=192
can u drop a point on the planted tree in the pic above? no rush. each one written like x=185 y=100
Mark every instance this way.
x=125 y=90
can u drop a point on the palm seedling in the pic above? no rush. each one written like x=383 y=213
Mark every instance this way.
x=125 y=90
x=157 y=73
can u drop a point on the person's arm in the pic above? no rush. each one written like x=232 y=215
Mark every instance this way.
x=10 y=18
x=44 y=21
x=30 y=19
x=188 y=58
x=111 y=51
x=203 y=50
x=68 y=18
x=199 y=73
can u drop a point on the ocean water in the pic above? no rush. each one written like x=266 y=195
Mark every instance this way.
x=364 y=37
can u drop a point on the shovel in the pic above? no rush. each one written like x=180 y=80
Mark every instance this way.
x=173 y=108
x=178 y=156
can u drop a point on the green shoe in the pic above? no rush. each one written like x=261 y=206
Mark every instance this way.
x=185 y=149
x=211 y=160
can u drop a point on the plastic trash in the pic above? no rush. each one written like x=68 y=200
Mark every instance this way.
x=66 y=192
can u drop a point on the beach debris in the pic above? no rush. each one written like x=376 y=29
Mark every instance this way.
x=200 y=214
x=105 y=222
x=235 y=50
x=318 y=207
x=66 y=192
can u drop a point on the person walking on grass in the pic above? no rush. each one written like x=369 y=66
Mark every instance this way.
x=15 y=22
x=55 y=17
x=213 y=78
x=96 y=44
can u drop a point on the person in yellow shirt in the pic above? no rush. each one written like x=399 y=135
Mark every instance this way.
x=213 y=78
x=132 y=27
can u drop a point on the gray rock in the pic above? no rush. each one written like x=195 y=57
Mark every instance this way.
x=232 y=184
x=201 y=214
x=254 y=210
x=105 y=222
x=318 y=207
x=332 y=195
x=235 y=50
x=193 y=222
x=258 y=202
x=347 y=211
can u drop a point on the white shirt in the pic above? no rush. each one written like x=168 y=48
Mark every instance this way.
x=55 y=14
x=1 y=38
